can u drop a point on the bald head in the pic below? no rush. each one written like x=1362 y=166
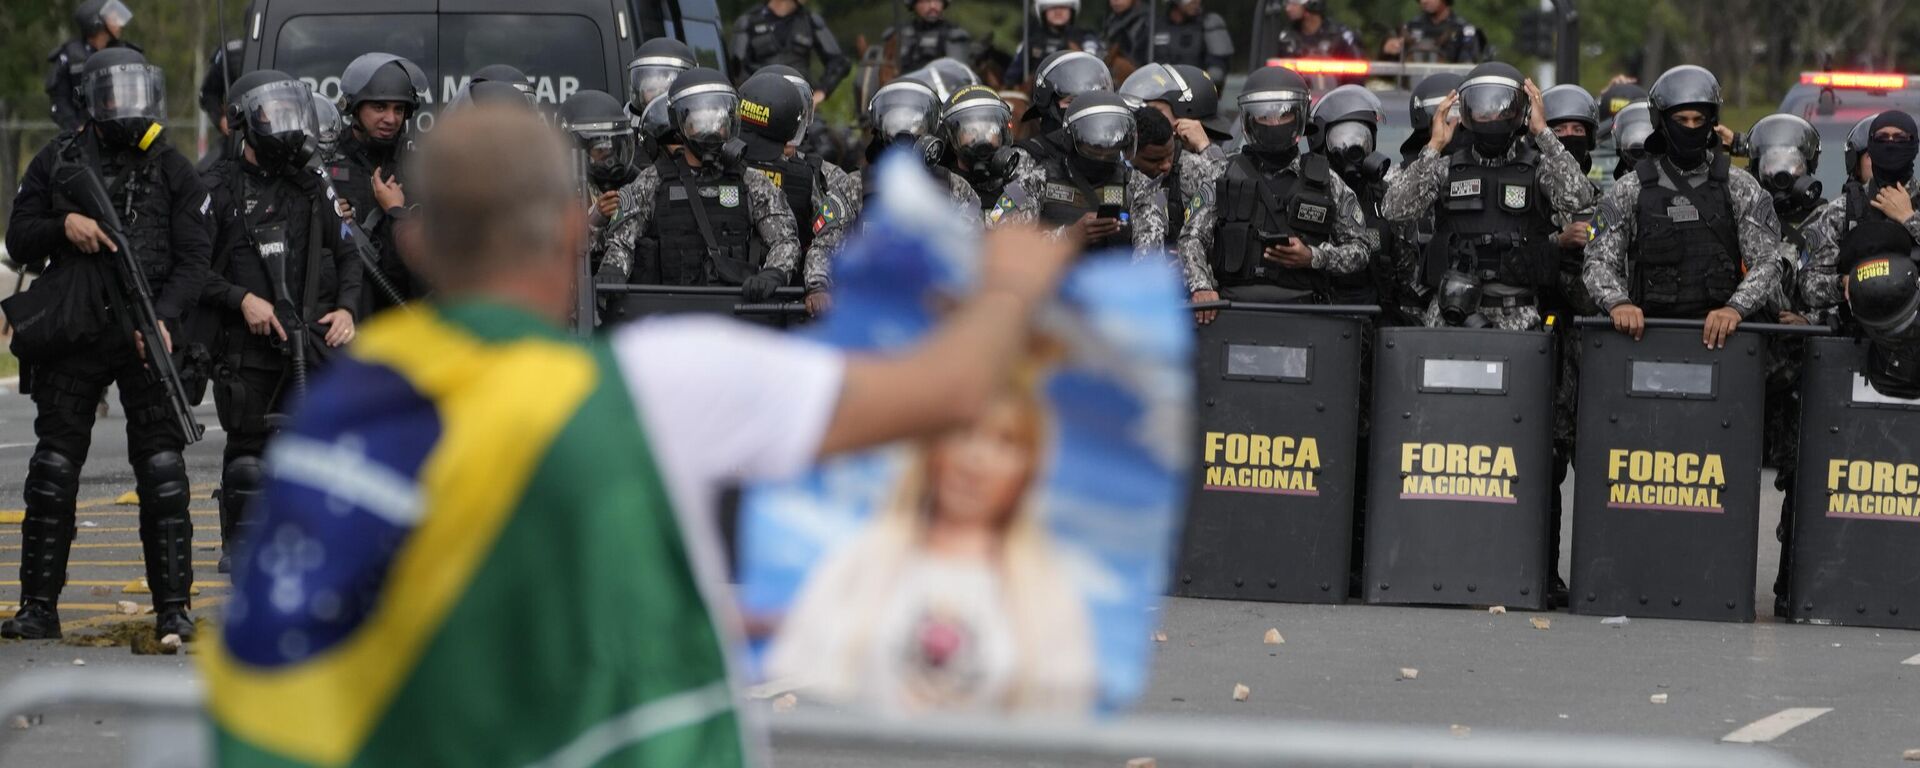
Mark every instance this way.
x=497 y=208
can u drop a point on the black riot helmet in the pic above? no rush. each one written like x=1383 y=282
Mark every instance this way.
x=381 y=77
x=976 y=123
x=1352 y=112
x=1273 y=111
x=946 y=76
x=498 y=92
x=1616 y=97
x=1685 y=87
x=1157 y=82
x=1493 y=106
x=704 y=111
x=601 y=128
x=800 y=85
x=905 y=112
x=1784 y=152
x=1884 y=293
x=1205 y=106
x=1424 y=101
x=1572 y=104
x=656 y=124
x=503 y=73
x=1065 y=75
x=1631 y=129
x=100 y=15
x=1101 y=127
x=274 y=115
x=328 y=125
x=655 y=64
x=223 y=68
x=126 y=97
x=1857 y=138
x=770 y=113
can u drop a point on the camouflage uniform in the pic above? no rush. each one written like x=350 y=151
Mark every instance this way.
x=1819 y=283
x=632 y=224
x=1349 y=251
x=1198 y=171
x=1413 y=192
x=1759 y=233
x=831 y=220
x=1146 y=204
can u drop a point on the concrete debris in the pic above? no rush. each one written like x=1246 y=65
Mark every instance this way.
x=1540 y=623
x=1142 y=762
x=1409 y=673
x=1241 y=692
x=1658 y=698
x=786 y=702
x=100 y=591
x=1159 y=636
x=1911 y=754
x=127 y=608
x=79 y=662
x=1273 y=638
x=1460 y=731
x=1498 y=610
x=19 y=723
x=1616 y=621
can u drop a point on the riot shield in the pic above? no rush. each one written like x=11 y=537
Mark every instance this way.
x=1857 y=505
x=1271 y=510
x=631 y=302
x=1462 y=467
x=1667 y=471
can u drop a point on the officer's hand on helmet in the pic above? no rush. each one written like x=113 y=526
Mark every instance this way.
x=1292 y=254
x=1192 y=134
x=258 y=313
x=387 y=191
x=1443 y=128
x=339 y=325
x=86 y=235
x=761 y=285
x=1576 y=234
x=1895 y=202
x=819 y=303
x=1536 y=109
x=1628 y=319
x=1727 y=137
x=608 y=204
x=1720 y=324
x=1205 y=316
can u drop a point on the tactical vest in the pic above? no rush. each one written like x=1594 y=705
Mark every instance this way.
x=140 y=198
x=1254 y=209
x=797 y=177
x=1362 y=288
x=1492 y=222
x=922 y=43
x=1686 y=253
x=775 y=40
x=1065 y=197
x=686 y=258
x=1181 y=43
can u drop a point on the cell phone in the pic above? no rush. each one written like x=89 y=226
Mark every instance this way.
x=1269 y=239
x=1115 y=212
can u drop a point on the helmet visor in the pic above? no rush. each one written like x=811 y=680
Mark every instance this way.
x=1492 y=105
x=1349 y=139
x=1631 y=136
x=608 y=153
x=127 y=90
x=647 y=81
x=1075 y=75
x=116 y=14
x=655 y=122
x=979 y=129
x=1155 y=82
x=1779 y=166
x=279 y=108
x=1274 y=123
x=1103 y=135
x=326 y=121
x=707 y=118
x=904 y=110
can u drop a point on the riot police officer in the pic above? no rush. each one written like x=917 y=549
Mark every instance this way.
x=1437 y=35
x=1191 y=35
x=1885 y=305
x=328 y=127
x=1614 y=98
x=1053 y=31
x=223 y=68
x=1168 y=99
x=697 y=216
x=1888 y=195
x=281 y=278
x=1427 y=96
x=1493 y=204
x=97 y=24
x=977 y=128
x=1061 y=78
x=163 y=207
x=772 y=109
x=380 y=94
x=1631 y=129
x=1574 y=117
x=605 y=138
x=1124 y=32
x=1673 y=234
x=1344 y=127
x=1858 y=169
x=906 y=115
x=655 y=64
x=944 y=77
x=1276 y=225
x=785 y=32
x=1309 y=33
x=928 y=36
x=1089 y=194
x=504 y=76
x=1784 y=151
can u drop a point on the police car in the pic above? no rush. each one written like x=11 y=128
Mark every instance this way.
x=1834 y=101
x=564 y=45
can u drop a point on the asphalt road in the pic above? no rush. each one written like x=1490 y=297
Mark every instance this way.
x=1490 y=673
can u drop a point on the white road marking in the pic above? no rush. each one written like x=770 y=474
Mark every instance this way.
x=1913 y=662
x=4 y=446
x=1775 y=725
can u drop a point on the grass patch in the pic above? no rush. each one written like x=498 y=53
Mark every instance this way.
x=8 y=365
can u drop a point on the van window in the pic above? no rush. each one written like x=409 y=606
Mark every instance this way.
x=317 y=49
x=562 y=53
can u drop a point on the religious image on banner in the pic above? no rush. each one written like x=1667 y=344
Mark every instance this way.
x=1012 y=565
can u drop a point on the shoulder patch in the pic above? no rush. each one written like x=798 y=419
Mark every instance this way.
x=831 y=211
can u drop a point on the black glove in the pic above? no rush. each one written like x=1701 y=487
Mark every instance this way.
x=761 y=286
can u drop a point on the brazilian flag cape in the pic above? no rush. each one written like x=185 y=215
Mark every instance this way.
x=465 y=556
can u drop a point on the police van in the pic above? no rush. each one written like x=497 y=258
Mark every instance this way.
x=1834 y=101
x=564 y=45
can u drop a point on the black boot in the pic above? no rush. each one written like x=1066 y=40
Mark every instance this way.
x=46 y=538
x=166 y=537
x=239 y=484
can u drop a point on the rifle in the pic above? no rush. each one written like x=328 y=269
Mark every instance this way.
x=362 y=245
x=584 y=295
x=83 y=186
x=271 y=242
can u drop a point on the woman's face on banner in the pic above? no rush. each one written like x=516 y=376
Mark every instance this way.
x=981 y=472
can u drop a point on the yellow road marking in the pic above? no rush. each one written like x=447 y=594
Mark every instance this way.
x=105 y=545
x=115 y=583
x=116 y=563
x=9 y=608
x=136 y=529
x=17 y=515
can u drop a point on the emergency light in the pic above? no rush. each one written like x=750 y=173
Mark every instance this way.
x=1863 y=80
x=1324 y=66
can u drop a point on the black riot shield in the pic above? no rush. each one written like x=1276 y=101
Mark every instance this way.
x=1667 y=471
x=625 y=303
x=1462 y=467
x=1271 y=510
x=1857 y=503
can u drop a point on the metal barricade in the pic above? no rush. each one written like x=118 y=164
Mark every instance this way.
x=632 y=302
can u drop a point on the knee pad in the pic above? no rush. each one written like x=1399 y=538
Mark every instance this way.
x=162 y=478
x=243 y=475
x=52 y=480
